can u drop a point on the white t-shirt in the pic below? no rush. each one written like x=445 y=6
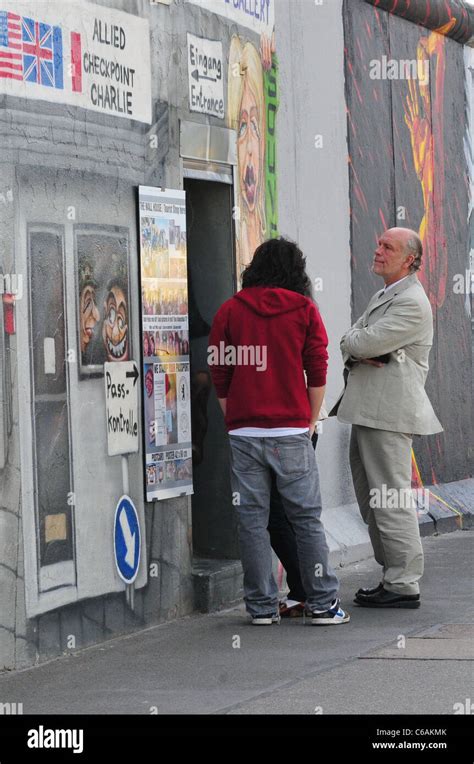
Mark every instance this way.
x=268 y=432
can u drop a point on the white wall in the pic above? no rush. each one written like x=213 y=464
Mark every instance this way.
x=313 y=189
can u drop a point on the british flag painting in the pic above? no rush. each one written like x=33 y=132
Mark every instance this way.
x=30 y=51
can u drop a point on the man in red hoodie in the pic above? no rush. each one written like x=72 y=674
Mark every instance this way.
x=262 y=342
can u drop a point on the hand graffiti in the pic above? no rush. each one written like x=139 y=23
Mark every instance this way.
x=420 y=129
x=424 y=117
x=267 y=47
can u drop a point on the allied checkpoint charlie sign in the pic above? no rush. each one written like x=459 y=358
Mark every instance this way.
x=76 y=53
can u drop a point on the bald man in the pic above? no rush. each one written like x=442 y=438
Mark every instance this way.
x=386 y=355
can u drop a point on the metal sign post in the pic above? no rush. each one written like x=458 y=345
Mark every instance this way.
x=121 y=406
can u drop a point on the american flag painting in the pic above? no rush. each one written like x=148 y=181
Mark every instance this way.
x=30 y=51
x=11 y=59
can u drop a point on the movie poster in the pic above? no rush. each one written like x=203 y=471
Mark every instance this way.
x=165 y=343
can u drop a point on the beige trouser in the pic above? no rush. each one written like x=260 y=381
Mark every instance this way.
x=381 y=458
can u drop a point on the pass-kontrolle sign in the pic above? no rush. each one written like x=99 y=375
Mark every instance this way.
x=121 y=406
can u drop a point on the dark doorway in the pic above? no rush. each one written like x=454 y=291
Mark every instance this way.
x=211 y=278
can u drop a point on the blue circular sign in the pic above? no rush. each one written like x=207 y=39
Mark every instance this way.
x=127 y=542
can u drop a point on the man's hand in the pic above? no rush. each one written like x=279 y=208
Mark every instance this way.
x=311 y=428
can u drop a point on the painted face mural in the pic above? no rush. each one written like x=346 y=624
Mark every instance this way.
x=249 y=147
x=115 y=324
x=247 y=116
x=102 y=297
x=89 y=314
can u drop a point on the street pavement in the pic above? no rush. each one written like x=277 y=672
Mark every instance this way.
x=382 y=662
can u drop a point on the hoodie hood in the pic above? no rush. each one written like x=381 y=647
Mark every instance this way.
x=271 y=301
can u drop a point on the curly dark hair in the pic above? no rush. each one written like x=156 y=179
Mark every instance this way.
x=278 y=263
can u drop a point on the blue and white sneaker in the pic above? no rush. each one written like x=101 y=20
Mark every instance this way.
x=265 y=620
x=330 y=617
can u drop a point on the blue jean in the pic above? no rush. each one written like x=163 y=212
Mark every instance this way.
x=283 y=541
x=293 y=462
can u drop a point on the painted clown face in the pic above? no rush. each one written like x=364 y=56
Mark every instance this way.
x=115 y=325
x=89 y=315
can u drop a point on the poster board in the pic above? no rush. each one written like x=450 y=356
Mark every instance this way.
x=165 y=343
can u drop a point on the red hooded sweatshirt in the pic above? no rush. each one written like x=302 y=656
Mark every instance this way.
x=261 y=341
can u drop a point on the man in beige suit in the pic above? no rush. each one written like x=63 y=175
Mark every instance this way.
x=386 y=354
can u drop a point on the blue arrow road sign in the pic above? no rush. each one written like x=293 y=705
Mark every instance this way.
x=127 y=540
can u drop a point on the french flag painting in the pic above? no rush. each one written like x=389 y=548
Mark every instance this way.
x=30 y=51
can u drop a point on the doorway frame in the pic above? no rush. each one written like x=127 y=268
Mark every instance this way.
x=208 y=152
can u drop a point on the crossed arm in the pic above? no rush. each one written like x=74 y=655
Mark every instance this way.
x=398 y=327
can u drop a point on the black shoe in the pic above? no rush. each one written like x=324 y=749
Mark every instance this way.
x=375 y=590
x=385 y=598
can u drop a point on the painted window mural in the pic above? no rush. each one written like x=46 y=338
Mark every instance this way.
x=51 y=436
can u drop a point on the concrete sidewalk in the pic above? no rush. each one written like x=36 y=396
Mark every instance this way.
x=220 y=664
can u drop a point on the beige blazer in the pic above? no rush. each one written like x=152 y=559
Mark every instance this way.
x=391 y=397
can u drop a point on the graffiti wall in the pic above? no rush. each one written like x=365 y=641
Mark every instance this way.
x=406 y=139
x=83 y=134
x=434 y=14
